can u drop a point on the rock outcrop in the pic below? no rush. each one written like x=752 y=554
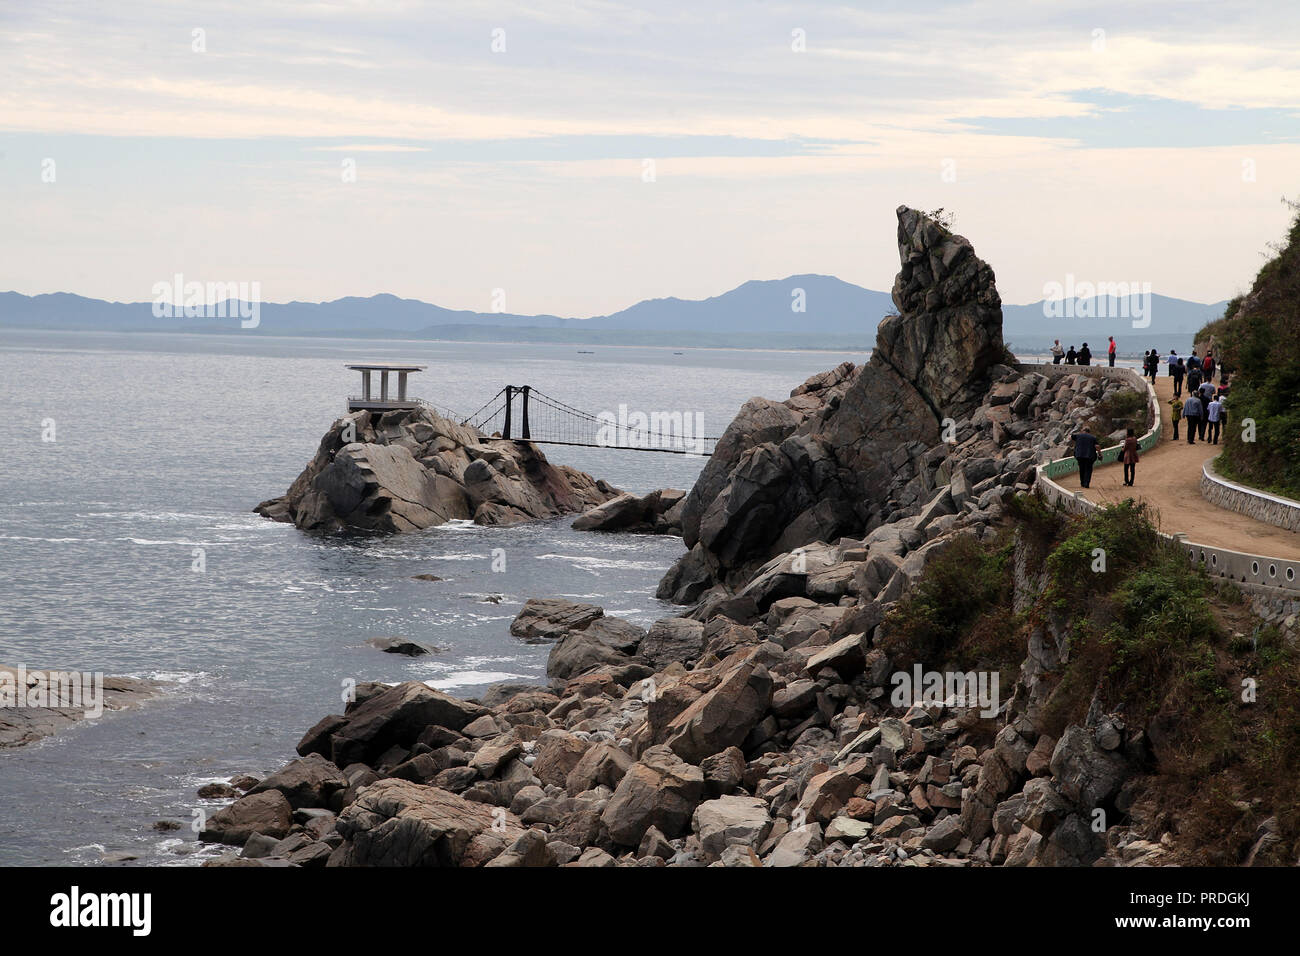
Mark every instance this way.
x=846 y=450
x=37 y=703
x=412 y=469
x=659 y=512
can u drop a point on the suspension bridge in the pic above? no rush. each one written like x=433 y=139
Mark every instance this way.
x=525 y=413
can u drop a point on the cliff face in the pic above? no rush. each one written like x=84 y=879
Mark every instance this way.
x=848 y=448
x=407 y=470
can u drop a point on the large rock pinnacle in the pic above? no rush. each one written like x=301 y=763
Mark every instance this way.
x=842 y=453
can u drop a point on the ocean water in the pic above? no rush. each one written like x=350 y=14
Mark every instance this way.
x=162 y=445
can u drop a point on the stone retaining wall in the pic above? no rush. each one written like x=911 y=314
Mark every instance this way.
x=1260 y=505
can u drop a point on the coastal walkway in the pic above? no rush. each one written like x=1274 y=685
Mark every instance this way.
x=1169 y=481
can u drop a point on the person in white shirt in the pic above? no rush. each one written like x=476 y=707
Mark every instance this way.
x=1213 y=415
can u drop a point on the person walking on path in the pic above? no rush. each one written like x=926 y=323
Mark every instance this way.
x=1192 y=412
x=1178 y=370
x=1085 y=454
x=1208 y=366
x=1129 y=454
x=1214 y=414
x=1172 y=360
x=1155 y=365
x=1058 y=353
x=1110 y=351
x=1085 y=355
x=1071 y=357
x=1193 y=375
x=1175 y=413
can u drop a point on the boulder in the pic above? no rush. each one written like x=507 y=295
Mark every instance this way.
x=266 y=813
x=552 y=618
x=659 y=790
x=307 y=782
x=672 y=639
x=399 y=823
x=730 y=821
x=724 y=716
x=395 y=715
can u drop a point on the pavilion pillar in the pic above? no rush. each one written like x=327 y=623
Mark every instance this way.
x=401 y=386
x=383 y=385
x=365 y=384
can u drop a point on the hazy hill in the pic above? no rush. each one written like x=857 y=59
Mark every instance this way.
x=759 y=313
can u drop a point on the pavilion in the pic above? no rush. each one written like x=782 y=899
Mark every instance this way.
x=383 y=402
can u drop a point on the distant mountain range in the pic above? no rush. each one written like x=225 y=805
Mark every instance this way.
x=803 y=311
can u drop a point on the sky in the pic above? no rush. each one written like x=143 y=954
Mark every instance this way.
x=573 y=158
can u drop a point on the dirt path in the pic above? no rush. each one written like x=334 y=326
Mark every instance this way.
x=1169 y=479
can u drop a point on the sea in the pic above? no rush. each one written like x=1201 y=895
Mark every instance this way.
x=131 y=464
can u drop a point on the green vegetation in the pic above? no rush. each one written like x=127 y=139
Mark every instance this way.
x=1258 y=339
x=1123 y=409
x=1154 y=640
x=958 y=617
x=1150 y=637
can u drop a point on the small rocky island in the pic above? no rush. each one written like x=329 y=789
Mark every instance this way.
x=409 y=469
x=878 y=520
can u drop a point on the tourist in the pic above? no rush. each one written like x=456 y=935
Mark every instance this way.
x=1193 y=374
x=1071 y=356
x=1085 y=355
x=1178 y=370
x=1085 y=453
x=1058 y=353
x=1172 y=361
x=1208 y=366
x=1192 y=412
x=1155 y=365
x=1213 y=414
x=1193 y=361
x=1175 y=413
x=1129 y=455
x=1207 y=392
x=1110 y=351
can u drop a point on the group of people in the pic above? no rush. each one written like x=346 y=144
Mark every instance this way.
x=1204 y=407
x=1195 y=370
x=1081 y=357
x=1204 y=410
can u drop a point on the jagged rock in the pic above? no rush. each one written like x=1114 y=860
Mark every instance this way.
x=413 y=469
x=552 y=618
x=659 y=790
x=730 y=821
x=724 y=716
x=826 y=463
x=399 y=823
x=672 y=639
x=396 y=715
x=1083 y=771
x=655 y=513
x=797 y=847
x=307 y=782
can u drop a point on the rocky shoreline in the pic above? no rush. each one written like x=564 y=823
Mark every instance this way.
x=761 y=726
x=59 y=707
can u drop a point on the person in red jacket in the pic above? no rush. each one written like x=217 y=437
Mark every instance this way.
x=1129 y=455
x=1110 y=352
